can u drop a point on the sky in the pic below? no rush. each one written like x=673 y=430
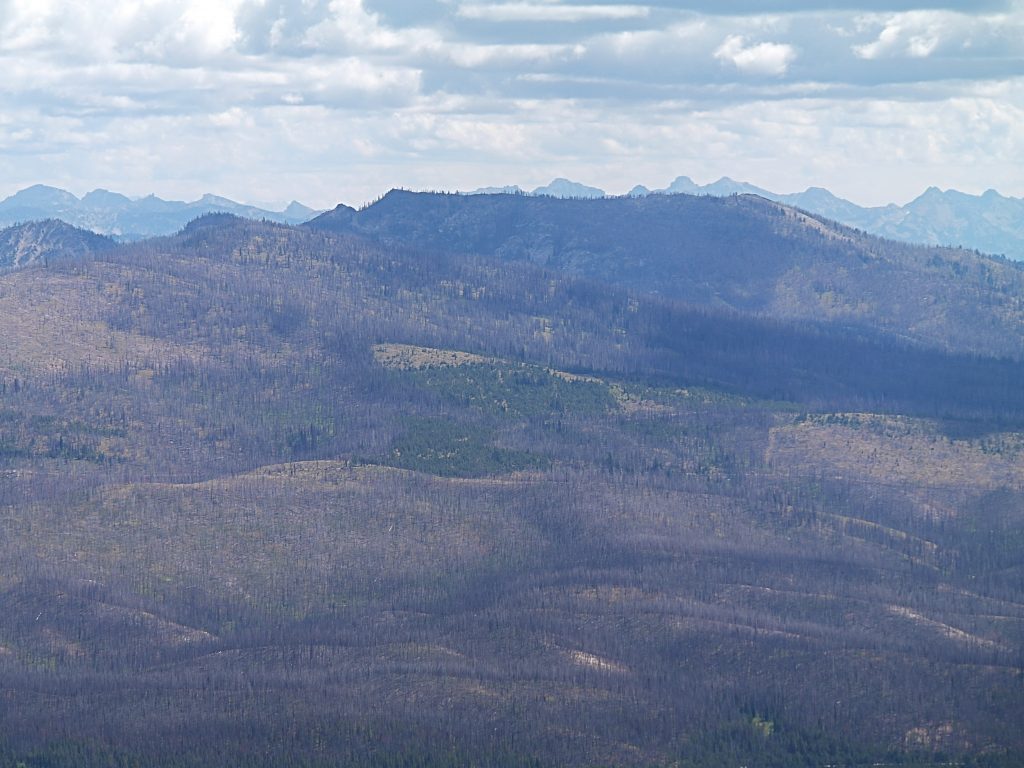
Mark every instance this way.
x=329 y=101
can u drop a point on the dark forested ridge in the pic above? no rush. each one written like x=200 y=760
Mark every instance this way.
x=277 y=496
x=743 y=252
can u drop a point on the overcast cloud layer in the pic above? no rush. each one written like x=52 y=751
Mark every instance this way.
x=339 y=100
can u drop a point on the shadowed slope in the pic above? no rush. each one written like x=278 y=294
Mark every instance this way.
x=743 y=252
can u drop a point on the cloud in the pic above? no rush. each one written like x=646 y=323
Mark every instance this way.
x=914 y=35
x=329 y=100
x=920 y=34
x=201 y=30
x=174 y=31
x=350 y=27
x=534 y=11
x=470 y=56
x=759 y=59
x=756 y=7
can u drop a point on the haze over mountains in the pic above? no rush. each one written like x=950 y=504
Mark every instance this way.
x=114 y=214
x=990 y=223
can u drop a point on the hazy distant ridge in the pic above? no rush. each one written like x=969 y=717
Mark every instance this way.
x=114 y=214
x=990 y=223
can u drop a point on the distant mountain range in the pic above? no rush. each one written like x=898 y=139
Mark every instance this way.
x=561 y=188
x=113 y=214
x=989 y=222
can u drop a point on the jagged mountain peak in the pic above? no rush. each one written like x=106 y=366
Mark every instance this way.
x=211 y=199
x=111 y=213
x=297 y=210
x=562 y=187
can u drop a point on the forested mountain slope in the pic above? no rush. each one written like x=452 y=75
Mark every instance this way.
x=988 y=222
x=36 y=242
x=278 y=496
x=743 y=252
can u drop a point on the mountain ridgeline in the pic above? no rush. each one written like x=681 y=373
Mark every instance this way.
x=741 y=252
x=513 y=481
x=37 y=242
x=989 y=222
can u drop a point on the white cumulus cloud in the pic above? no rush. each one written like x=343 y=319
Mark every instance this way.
x=920 y=34
x=757 y=59
x=915 y=35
